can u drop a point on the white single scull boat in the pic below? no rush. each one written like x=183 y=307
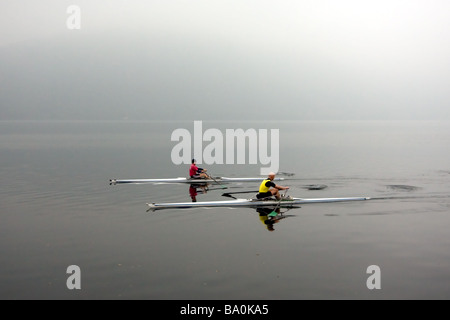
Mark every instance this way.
x=285 y=203
x=188 y=180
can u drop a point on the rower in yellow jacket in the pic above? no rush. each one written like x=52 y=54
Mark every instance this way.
x=268 y=188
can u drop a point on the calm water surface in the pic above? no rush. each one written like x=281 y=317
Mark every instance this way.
x=58 y=209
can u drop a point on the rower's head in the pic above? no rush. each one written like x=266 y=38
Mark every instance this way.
x=193 y=161
x=271 y=175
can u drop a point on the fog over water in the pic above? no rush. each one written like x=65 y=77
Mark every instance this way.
x=216 y=60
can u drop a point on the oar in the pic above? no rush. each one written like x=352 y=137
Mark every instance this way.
x=229 y=194
x=223 y=187
x=274 y=213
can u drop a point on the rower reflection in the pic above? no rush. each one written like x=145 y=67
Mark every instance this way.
x=269 y=217
x=195 y=189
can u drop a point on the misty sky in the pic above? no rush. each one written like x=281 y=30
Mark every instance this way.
x=225 y=60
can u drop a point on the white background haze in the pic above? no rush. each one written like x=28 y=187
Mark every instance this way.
x=225 y=60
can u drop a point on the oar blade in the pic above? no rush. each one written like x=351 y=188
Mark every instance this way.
x=272 y=214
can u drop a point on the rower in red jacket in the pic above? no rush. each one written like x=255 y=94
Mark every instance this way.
x=196 y=172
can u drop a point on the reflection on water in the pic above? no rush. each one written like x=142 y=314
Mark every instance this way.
x=195 y=189
x=270 y=216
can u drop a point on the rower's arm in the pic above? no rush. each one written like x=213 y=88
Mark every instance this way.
x=281 y=188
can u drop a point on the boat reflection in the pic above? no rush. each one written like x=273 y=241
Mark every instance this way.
x=201 y=188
